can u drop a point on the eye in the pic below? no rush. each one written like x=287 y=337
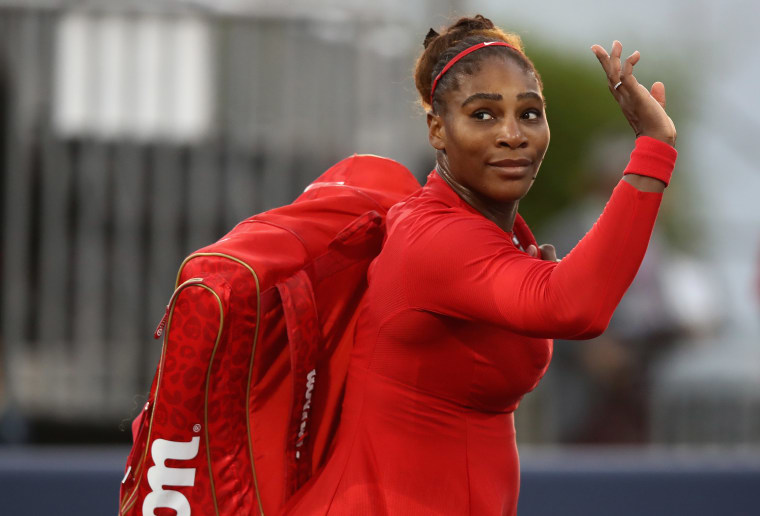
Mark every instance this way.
x=532 y=114
x=482 y=115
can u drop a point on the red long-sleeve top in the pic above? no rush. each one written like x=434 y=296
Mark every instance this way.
x=455 y=328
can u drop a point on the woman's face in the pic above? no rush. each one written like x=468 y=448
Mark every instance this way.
x=494 y=131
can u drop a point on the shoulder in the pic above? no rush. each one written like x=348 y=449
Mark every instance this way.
x=427 y=228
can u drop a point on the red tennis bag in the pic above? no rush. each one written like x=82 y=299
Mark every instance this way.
x=256 y=340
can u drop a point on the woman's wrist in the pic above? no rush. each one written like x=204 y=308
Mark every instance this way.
x=644 y=183
x=668 y=139
x=652 y=158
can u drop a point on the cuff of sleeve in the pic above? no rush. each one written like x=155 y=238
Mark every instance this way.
x=652 y=158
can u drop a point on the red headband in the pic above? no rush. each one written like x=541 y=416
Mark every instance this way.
x=460 y=55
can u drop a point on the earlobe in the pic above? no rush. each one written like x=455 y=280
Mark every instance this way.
x=436 y=131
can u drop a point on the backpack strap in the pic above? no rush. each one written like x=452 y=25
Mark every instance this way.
x=358 y=241
x=302 y=325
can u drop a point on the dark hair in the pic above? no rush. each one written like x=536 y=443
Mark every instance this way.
x=441 y=48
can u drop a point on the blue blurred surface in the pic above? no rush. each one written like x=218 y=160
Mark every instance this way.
x=85 y=481
x=62 y=481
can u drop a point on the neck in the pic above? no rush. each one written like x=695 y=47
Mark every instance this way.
x=501 y=213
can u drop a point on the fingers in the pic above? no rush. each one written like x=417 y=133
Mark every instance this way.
x=644 y=108
x=627 y=76
x=548 y=252
x=600 y=53
x=617 y=74
x=603 y=57
x=658 y=92
x=617 y=49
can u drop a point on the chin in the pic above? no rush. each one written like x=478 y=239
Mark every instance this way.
x=510 y=193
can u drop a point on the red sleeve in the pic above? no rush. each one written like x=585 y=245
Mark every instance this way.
x=466 y=267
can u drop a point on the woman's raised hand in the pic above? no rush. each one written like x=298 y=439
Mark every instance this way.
x=644 y=109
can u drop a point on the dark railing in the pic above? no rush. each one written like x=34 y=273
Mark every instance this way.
x=124 y=151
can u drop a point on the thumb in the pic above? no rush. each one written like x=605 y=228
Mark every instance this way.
x=658 y=92
x=548 y=252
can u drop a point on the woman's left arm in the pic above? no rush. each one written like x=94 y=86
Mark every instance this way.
x=465 y=267
x=644 y=109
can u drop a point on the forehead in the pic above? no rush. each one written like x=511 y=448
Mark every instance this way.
x=497 y=75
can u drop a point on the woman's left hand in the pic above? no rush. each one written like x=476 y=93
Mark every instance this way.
x=548 y=252
x=644 y=109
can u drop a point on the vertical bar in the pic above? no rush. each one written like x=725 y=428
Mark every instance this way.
x=202 y=197
x=127 y=277
x=90 y=258
x=366 y=94
x=239 y=186
x=90 y=277
x=344 y=98
x=192 y=77
x=54 y=294
x=164 y=251
x=73 y=98
x=166 y=186
x=149 y=80
x=18 y=189
x=238 y=196
x=243 y=93
x=278 y=89
x=51 y=320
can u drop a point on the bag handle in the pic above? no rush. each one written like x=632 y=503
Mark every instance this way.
x=358 y=231
x=359 y=240
x=299 y=308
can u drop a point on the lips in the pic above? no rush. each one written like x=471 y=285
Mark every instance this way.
x=507 y=163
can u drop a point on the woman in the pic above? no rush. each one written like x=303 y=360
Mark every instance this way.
x=458 y=317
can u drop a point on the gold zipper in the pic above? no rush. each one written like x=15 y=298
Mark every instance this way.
x=205 y=401
x=250 y=366
x=129 y=501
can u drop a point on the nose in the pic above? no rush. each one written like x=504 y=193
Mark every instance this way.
x=511 y=134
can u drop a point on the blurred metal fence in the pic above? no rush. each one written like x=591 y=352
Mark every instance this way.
x=708 y=394
x=132 y=136
x=124 y=152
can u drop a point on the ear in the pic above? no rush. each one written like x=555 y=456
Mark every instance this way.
x=436 y=131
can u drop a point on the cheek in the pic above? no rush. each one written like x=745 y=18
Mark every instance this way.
x=541 y=139
x=467 y=143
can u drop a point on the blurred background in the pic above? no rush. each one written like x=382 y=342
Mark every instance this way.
x=136 y=132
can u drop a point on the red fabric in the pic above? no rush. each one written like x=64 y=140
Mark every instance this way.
x=453 y=331
x=172 y=426
x=652 y=158
x=246 y=401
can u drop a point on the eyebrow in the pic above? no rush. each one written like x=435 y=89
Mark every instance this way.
x=486 y=96
x=498 y=96
x=530 y=95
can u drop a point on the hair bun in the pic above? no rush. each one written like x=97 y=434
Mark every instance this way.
x=441 y=47
x=430 y=36
x=478 y=22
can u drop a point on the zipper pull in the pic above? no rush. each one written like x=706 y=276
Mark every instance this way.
x=126 y=475
x=161 y=325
